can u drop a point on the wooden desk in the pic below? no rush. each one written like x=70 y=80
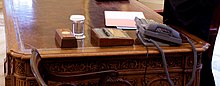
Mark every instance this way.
x=32 y=23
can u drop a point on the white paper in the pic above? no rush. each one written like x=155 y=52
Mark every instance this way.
x=122 y=18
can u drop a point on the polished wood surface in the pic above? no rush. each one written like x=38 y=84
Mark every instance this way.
x=32 y=23
x=38 y=19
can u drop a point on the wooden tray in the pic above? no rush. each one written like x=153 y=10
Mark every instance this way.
x=105 y=37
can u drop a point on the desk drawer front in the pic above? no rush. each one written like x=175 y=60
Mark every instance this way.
x=130 y=68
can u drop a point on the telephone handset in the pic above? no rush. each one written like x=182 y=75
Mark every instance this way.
x=160 y=32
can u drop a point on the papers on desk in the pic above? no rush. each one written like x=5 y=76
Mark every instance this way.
x=122 y=19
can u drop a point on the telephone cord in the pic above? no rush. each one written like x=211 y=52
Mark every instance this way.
x=164 y=62
x=145 y=71
x=195 y=61
x=164 y=59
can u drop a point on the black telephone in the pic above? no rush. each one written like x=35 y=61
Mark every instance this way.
x=157 y=31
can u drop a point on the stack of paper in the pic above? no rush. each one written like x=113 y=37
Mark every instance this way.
x=122 y=19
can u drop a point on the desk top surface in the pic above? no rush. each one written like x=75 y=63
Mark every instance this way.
x=32 y=23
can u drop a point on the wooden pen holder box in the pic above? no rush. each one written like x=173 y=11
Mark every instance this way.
x=105 y=37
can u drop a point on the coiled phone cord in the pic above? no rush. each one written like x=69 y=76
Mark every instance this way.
x=145 y=71
x=142 y=39
x=162 y=54
x=195 y=61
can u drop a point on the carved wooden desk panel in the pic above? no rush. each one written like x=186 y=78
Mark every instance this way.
x=32 y=23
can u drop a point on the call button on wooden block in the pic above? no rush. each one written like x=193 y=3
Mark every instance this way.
x=65 y=38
